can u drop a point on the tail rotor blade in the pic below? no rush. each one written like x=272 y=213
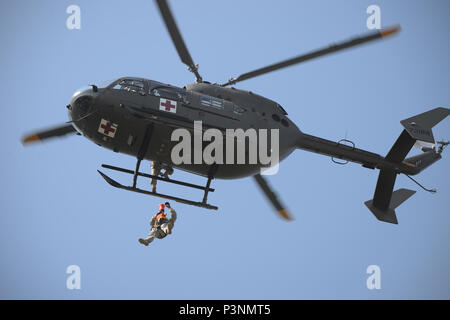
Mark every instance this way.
x=271 y=195
x=49 y=133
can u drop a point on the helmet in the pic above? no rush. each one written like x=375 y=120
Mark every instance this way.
x=161 y=207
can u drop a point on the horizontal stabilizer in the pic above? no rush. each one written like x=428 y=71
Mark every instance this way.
x=419 y=126
x=388 y=215
x=423 y=160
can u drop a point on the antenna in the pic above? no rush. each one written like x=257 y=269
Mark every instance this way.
x=442 y=144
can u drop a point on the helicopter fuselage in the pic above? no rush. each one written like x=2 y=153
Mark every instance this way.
x=132 y=114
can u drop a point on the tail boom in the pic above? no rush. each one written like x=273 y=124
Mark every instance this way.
x=385 y=200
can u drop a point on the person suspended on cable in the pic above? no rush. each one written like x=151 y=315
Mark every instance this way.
x=161 y=225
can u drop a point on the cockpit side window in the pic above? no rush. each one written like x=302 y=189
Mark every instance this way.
x=168 y=92
x=131 y=85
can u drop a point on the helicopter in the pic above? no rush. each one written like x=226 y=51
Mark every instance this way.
x=138 y=117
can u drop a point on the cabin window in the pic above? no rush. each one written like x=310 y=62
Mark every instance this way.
x=276 y=118
x=208 y=101
x=131 y=85
x=284 y=122
x=168 y=93
x=238 y=110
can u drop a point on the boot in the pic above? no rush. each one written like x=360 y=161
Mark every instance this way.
x=143 y=241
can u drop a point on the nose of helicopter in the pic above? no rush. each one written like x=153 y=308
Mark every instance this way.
x=81 y=103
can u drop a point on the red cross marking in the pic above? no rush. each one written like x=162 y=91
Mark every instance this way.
x=107 y=128
x=168 y=105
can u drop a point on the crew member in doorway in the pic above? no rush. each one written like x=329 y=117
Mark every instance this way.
x=156 y=168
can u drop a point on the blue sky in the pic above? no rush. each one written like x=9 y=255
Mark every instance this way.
x=57 y=211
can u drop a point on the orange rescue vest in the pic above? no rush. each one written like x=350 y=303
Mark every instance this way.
x=160 y=219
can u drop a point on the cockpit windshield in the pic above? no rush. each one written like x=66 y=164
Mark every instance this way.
x=131 y=85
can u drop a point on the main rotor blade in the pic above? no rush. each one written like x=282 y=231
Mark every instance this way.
x=315 y=54
x=264 y=185
x=177 y=38
x=50 y=133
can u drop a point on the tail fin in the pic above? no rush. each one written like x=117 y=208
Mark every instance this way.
x=417 y=129
x=396 y=198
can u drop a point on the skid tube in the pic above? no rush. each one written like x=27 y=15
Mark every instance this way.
x=133 y=188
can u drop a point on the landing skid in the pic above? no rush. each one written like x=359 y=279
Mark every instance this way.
x=133 y=188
